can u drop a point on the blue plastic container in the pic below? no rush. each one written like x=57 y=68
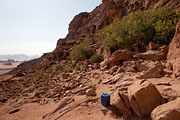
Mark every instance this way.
x=105 y=99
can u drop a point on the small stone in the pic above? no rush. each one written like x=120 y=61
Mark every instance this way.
x=121 y=69
x=91 y=92
x=14 y=111
x=80 y=86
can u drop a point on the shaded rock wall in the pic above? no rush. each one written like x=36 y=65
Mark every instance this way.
x=174 y=53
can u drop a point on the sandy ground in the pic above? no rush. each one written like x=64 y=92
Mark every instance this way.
x=6 y=67
x=4 y=71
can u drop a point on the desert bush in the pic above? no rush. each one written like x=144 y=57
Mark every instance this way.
x=68 y=58
x=139 y=28
x=81 y=51
x=26 y=84
x=43 y=76
x=73 y=64
x=78 y=68
x=96 y=58
x=91 y=85
x=58 y=67
x=44 y=88
x=45 y=66
x=68 y=71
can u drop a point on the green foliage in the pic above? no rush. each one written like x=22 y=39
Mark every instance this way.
x=58 y=67
x=175 y=1
x=73 y=65
x=91 y=85
x=78 y=68
x=68 y=58
x=49 y=70
x=44 y=88
x=68 y=71
x=43 y=76
x=96 y=58
x=81 y=51
x=26 y=84
x=139 y=28
x=45 y=66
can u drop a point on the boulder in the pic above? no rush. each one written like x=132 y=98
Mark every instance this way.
x=121 y=104
x=152 y=46
x=14 y=111
x=154 y=72
x=119 y=70
x=116 y=58
x=114 y=79
x=113 y=69
x=143 y=97
x=144 y=65
x=91 y=92
x=130 y=69
x=154 y=55
x=168 y=111
x=173 y=56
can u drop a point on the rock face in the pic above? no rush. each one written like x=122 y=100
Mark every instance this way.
x=174 y=52
x=86 y=24
x=116 y=58
x=168 y=111
x=143 y=97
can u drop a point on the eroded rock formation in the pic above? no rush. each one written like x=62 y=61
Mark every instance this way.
x=86 y=24
x=174 y=53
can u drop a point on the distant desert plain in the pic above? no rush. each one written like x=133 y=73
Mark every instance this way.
x=6 y=68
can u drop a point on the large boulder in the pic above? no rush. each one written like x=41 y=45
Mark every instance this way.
x=120 y=104
x=143 y=97
x=154 y=72
x=173 y=56
x=168 y=111
x=154 y=55
x=116 y=58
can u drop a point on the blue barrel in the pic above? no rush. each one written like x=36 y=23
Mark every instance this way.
x=105 y=99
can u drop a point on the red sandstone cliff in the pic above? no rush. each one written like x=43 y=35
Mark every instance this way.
x=86 y=24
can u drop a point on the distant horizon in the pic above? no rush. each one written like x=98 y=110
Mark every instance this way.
x=33 y=27
x=21 y=54
x=18 y=57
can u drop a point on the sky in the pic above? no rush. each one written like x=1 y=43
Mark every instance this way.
x=32 y=27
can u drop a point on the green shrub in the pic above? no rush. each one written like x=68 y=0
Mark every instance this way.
x=81 y=51
x=44 y=88
x=91 y=85
x=58 y=67
x=96 y=58
x=43 y=76
x=49 y=70
x=26 y=84
x=139 y=28
x=45 y=66
x=78 y=68
x=68 y=71
x=68 y=58
x=73 y=65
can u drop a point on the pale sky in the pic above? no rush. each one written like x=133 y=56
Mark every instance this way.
x=33 y=27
